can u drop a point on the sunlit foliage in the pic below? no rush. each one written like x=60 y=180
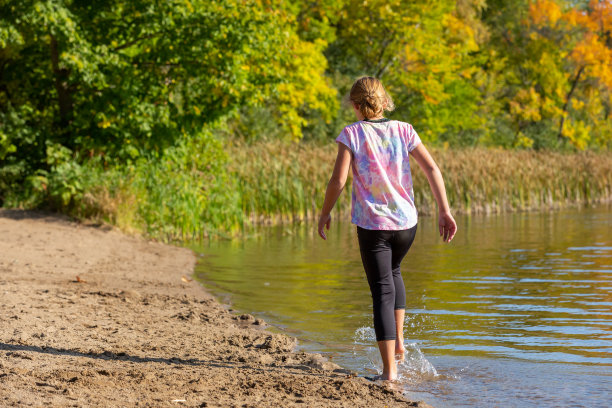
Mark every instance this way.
x=558 y=69
x=107 y=107
x=123 y=79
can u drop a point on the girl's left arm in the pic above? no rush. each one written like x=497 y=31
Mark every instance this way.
x=335 y=187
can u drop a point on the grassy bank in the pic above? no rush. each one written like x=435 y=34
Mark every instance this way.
x=279 y=182
x=207 y=187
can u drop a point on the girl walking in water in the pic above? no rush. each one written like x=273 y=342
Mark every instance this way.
x=382 y=206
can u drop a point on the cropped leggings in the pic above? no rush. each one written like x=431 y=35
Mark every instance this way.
x=381 y=253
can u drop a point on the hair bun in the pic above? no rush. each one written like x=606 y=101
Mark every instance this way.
x=371 y=97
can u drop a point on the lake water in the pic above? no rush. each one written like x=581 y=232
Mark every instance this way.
x=515 y=312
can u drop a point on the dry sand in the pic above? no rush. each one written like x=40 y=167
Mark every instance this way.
x=134 y=330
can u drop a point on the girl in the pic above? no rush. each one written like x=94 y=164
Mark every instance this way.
x=383 y=206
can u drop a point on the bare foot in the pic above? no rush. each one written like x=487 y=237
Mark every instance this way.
x=399 y=350
x=389 y=376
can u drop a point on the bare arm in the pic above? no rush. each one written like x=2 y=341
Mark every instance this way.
x=446 y=223
x=335 y=187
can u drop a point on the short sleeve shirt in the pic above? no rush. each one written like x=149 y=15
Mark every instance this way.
x=382 y=196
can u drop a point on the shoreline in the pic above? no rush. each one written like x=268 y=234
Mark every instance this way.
x=92 y=316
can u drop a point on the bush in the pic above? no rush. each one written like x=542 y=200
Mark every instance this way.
x=185 y=193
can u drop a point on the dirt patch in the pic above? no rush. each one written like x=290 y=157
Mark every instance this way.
x=90 y=316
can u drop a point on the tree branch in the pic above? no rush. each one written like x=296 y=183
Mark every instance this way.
x=567 y=100
x=136 y=41
x=64 y=97
x=380 y=66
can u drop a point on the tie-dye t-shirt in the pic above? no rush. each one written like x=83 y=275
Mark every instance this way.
x=382 y=197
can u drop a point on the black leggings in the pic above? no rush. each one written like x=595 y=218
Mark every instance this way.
x=381 y=254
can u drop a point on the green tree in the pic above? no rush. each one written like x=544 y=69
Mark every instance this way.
x=428 y=55
x=126 y=78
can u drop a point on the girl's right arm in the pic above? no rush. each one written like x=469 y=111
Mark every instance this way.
x=446 y=223
x=334 y=187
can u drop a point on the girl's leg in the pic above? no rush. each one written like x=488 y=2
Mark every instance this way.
x=399 y=312
x=387 y=352
x=399 y=333
x=376 y=257
x=400 y=244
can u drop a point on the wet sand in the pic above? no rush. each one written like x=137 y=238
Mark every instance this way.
x=92 y=317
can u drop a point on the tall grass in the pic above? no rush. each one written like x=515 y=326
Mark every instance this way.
x=286 y=182
x=203 y=187
x=496 y=180
x=281 y=182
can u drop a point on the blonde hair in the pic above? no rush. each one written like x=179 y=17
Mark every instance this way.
x=370 y=95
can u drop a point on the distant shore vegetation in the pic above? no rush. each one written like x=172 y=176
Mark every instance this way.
x=188 y=119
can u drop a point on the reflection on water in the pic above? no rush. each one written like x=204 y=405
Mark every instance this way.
x=521 y=299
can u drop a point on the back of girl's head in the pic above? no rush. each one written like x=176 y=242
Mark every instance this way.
x=369 y=94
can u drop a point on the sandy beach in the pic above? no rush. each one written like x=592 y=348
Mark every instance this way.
x=93 y=317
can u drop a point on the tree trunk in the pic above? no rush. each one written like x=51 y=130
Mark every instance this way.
x=64 y=98
x=567 y=101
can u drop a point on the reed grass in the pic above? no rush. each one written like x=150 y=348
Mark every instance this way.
x=226 y=188
x=280 y=182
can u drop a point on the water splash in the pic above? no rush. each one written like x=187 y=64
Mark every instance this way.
x=414 y=368
x=364 y=336
x=363 y=351
x=415 y=365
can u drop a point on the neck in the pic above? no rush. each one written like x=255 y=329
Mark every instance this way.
x=376 y=119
